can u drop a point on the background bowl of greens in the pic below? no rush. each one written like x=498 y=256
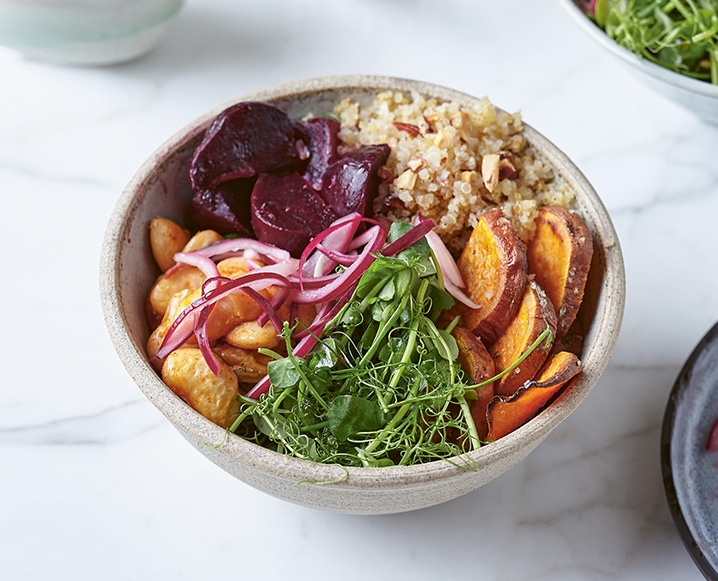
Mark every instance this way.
x=160 y=187
x=88 y=33
x=672 y=47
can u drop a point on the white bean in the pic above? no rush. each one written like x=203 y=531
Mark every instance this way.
x=214 y=396
x=166 y=239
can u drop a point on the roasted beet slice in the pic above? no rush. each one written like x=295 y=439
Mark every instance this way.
x=321 y=136
x=351 y=183
x=225 y=208
x=245 y=140
x=287 y=212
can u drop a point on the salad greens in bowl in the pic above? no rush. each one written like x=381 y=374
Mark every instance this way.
x=672 y=46
x=343 y=291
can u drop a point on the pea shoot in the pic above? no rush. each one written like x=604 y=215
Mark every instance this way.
x=383 y=386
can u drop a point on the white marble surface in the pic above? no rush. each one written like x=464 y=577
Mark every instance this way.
x=96 y=484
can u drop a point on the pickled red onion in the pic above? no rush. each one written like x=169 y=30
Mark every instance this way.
x=419 y=230
x=204 y=263
x=237 y=246
x=311 y=279
x=453 y=282
x=351 y=275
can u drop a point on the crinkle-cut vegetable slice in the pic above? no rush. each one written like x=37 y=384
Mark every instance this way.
x=505 y=414
x=535 y=314
x=493 y=266
x=322 y=139
x=559 y=256
x=224 y=208
x=245 y=140
x=351 y=183
x=478 y=364
x=288 y=212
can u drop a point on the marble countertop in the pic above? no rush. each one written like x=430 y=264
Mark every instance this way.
x=96 y=484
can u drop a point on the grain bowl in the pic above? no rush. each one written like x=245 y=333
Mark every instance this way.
x=162 y=187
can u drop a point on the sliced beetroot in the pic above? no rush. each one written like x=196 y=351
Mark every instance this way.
x=351 y=182
x=287 y=211
x=244 y=140
x=226 y=208
x=321 y=137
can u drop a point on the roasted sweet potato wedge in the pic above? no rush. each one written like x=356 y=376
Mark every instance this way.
x=535 y=314
x=478 y=364
x=505 y=414
x=559 y=257
x=475 y=359
x=493 y=266
x=571 y=341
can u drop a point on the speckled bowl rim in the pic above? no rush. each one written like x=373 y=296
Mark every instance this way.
x=608 y=317
x=645 y=66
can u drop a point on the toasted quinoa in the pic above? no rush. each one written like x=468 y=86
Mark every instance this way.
x=442 y=159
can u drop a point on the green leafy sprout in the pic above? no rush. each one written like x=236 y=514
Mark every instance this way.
x=681 y=35
x=383 y=386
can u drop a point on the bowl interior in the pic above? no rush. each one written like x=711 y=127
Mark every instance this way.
x=161 y=187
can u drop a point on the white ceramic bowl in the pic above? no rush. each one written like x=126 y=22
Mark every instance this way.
x=698 y=97
x=85 y=32
x=161 y=186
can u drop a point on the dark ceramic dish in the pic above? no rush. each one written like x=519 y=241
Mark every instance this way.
x=690 y=471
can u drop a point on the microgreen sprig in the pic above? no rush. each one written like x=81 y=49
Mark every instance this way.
x=383 y=385
x=681 y=35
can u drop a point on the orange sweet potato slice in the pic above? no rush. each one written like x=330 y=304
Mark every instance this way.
x=535 y=314
x=478 y=364
x=559 y=257
x=571 y=341
x=493 y=265
x=475 y=359
x=505 y=414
